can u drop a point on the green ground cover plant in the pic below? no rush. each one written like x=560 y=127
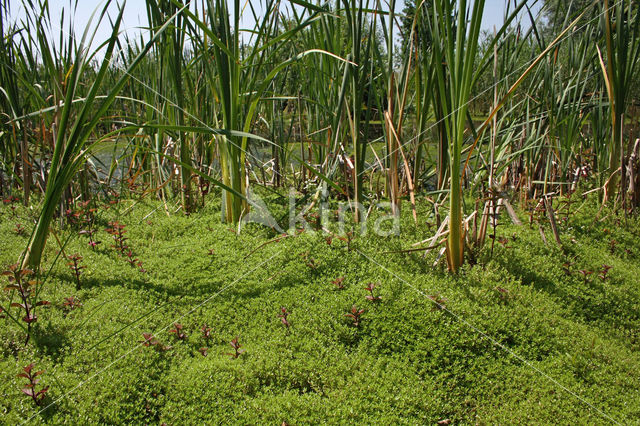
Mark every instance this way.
x=362 y=336
x=309 y=211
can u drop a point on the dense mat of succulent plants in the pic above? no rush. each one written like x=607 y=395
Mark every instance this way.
x=308 y=329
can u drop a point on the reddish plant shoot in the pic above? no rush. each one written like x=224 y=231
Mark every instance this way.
x=235 y=344
x=355 y=315
x=604 y=272
x=151 y=341
x=585 y=274
x=206 y=332
x=74 y=265
x=90 y=232
x=20 y=282
x=70 y=303
x=503 y=293
x=131 y=259
x=19 y=229
x=117 y=231
x=371 y=296
x=284 y=317
x=31 y=388
x=178 y=331
x=339 y=283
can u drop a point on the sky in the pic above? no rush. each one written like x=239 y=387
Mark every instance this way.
x=135 y=14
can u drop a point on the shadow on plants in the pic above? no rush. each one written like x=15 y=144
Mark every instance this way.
x=51 y=340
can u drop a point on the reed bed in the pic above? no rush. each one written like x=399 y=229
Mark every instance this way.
x=319 y=96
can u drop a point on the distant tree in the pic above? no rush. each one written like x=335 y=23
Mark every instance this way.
x=556 y=11
x=422 y=37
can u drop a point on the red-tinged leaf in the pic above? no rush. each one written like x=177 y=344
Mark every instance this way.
x=12 y=287
x=18 y=305
x=25 y=375
x=28 y=391
x=28 y=368
x=444 y=422
x=25 y=272
x=7 y=273
x=42 y=391
x=43 y=303
x=30 y=318
x=206 y=331
x=148 y=339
